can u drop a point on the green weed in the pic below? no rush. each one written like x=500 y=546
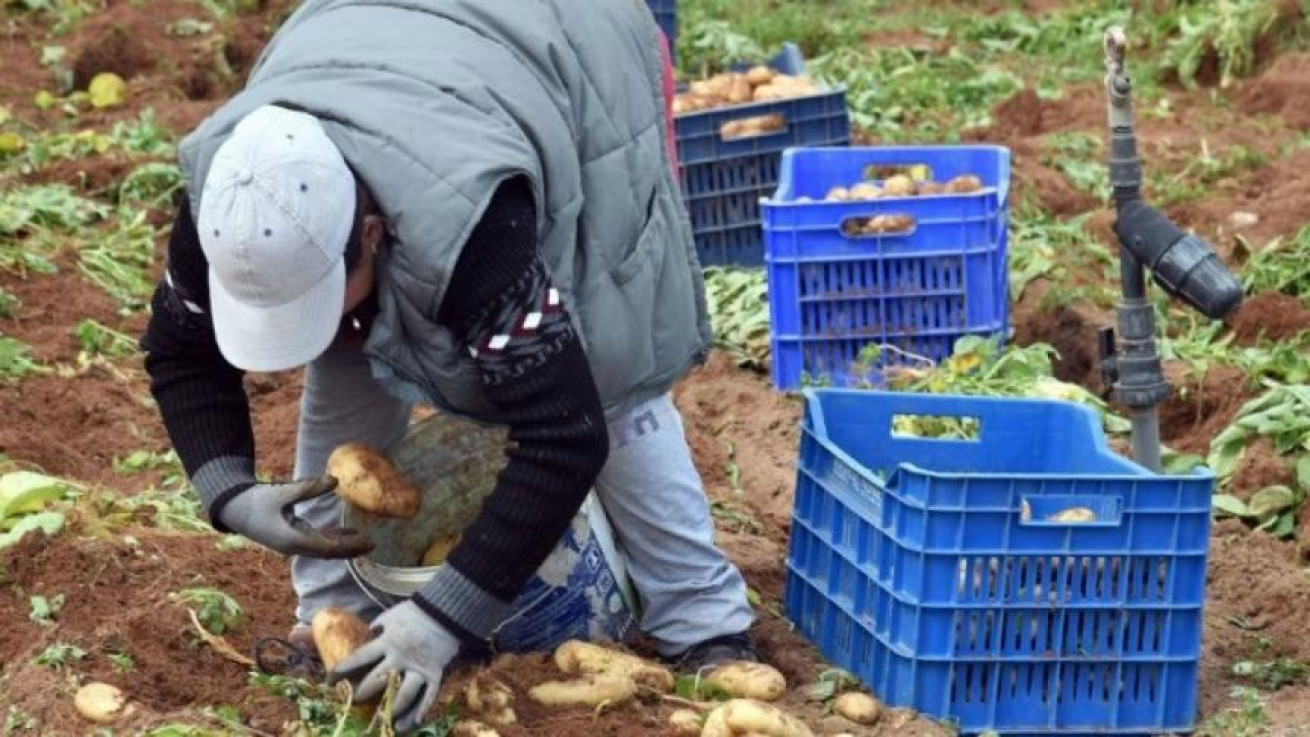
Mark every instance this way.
x=1078 y=155
x=1220 y=33
x=16 y=361
x=739 y=312
x=17 y=720
x=97 y=340
x=44 y=611
x=121 y=258
x=9 y=304
x=1247 y=719
x=1281 y=266
x=218 y=612
x=60 y=655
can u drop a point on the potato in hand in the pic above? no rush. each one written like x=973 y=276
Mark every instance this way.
x=367 y=479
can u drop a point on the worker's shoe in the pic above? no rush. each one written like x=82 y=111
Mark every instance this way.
x=714 y=652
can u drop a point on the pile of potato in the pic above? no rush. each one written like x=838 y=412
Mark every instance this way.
x=901 y=185
x=599 y=677
x=759 y=84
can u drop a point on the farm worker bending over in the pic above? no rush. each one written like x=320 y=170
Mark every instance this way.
x=471 y=205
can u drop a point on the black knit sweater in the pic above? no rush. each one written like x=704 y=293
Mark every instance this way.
x=501 y=304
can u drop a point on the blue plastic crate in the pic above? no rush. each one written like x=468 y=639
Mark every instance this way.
x=723 y=180
x=666 y=14
x=832 y=294
x=931 y=568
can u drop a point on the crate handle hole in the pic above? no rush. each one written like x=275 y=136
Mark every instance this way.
x=883 y=172
x=755 y=126
x=886 y=225
x=937 y=427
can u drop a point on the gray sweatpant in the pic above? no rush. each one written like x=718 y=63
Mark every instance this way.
x=688 y=590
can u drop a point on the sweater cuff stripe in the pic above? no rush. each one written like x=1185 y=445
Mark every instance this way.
x=219 y=475
x=467 y=605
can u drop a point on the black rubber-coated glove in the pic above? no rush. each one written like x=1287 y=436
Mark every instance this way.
x=264 y=514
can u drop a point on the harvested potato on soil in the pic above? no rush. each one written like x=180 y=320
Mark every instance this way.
x=749 y=681
x=101 y=702
x=741 y=717
x=337 y=633
x=591 y=690
x=471 y=728
x=576 y=657
x=491 y=700
x=367 y=479
x=686 y=722
x=439 y=550
x=1074 y=514
x=857 y=707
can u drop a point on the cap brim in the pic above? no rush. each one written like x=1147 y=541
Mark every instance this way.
x=282 y=337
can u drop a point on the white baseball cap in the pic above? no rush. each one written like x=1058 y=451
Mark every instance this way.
x=275 y=214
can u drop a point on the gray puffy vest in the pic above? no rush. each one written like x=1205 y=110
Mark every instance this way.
x=434 y=103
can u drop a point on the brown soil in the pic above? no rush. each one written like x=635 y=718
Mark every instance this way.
x=734 y=418
x=1283 y=90
x=51 y=308
x=1271 y=316
x=76 y=428
x=117 y=601
x=1257 y=593
x=1201 y=407
x=1070 y=329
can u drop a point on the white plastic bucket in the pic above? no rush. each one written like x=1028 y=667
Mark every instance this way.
x=582 y=589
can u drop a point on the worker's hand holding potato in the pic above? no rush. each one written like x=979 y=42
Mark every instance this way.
x=265 y=513
x=411 y=643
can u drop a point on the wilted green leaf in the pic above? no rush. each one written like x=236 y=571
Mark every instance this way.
x=1271 y=500
x=1230 y=505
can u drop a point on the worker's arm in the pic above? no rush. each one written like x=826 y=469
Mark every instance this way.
x=502 y=305
x=207 y=415
x=200 y=395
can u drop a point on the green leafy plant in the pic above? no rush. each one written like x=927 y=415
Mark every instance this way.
x=122 y=662
x=217 y=611
x=120 y=261
x=739 y=312
x=16 y=360
x=694 y=688
x=1224 y=33
x=1281 y=266
x=1272 y=675
x=24 y=498
x=60 y=655
x=98 y=340
x=1280 y=414
x=44 y=611
x=1078 y=156
x=830 y=683
x=978 y=366
x=9 y=304
x=17 y=720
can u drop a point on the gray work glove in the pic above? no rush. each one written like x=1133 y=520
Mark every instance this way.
x=414 y=645
x=264 y=514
